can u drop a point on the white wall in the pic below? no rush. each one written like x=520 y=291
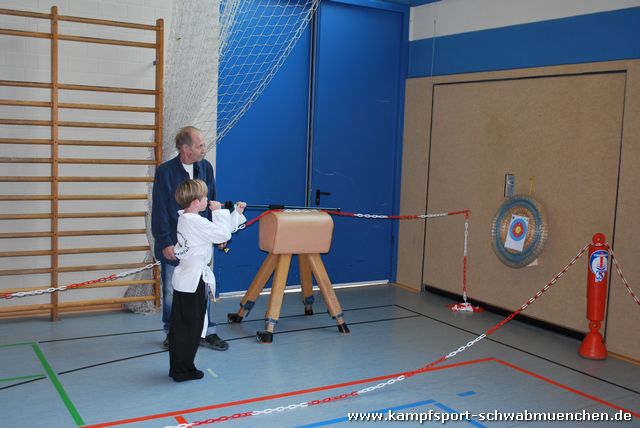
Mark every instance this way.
x=28 y=59
x=459 y=16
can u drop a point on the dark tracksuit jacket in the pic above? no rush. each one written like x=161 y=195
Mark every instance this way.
x=164 y=209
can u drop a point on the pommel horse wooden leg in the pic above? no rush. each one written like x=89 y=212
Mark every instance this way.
x=330 y=298
x=283 y=234
x=256 y=287
x=275 y=298
x=306 y=284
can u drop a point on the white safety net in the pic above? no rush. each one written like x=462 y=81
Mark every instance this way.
x=191 y=70
x=221 y=56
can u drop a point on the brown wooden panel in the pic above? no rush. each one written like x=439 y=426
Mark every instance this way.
x=413 y=200
x=556 y=129
x=569 y=135
x=623 y=316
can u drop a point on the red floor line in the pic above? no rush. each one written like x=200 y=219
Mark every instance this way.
x=272 y=397
x=568 y=388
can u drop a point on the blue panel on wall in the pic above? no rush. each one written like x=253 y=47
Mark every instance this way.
x=263 y=161
x=357 y=133
x=595 y=37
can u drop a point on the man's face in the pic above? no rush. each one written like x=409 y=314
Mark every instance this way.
x=196 y=151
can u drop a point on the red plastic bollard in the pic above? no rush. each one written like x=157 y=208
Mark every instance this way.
x=593 y=346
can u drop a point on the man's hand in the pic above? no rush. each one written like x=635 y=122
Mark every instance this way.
x=168 y=253
x=214 y=205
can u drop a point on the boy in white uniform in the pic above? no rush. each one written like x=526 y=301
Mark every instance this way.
x=192 y=276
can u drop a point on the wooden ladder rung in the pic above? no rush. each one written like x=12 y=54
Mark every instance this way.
x=149 y=110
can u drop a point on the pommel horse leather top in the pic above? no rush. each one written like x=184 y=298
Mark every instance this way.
x=283 y=234
x=307 y=232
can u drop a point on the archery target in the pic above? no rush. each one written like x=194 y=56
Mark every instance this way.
x=519 y=231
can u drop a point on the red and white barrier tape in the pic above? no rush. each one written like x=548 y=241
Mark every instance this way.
x=399 y=378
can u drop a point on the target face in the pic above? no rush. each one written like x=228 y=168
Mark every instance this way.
x=519 y=231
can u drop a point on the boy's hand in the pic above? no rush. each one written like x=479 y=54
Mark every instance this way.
x=214 y=205
x=240 y=206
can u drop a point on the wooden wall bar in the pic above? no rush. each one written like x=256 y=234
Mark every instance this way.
x=56 y=195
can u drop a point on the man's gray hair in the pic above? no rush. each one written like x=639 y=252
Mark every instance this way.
x=184 y=136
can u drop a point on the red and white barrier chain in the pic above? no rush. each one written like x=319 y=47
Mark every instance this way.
x=359 y=215
x=109 y=278
x=399 y=378
x=113 y=277
x=465 y=306
x=466 y=213
x=395 y=217
x=624 y=281
x=464 y=269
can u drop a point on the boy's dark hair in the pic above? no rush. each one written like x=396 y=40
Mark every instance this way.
x=190 y=190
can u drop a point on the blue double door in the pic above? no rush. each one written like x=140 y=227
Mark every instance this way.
x=325 y=132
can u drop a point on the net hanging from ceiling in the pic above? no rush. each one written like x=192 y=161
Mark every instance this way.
x=221 y=55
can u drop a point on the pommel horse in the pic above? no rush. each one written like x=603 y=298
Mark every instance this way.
x=283 y=234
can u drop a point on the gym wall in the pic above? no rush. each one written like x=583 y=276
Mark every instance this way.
x=567 y=132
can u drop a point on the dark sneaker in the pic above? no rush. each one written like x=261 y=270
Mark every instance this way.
x=213 y=341
x=165 y=343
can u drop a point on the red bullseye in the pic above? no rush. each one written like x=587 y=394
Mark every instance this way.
x=517 y=230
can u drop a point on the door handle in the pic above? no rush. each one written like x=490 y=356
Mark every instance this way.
x=318 y=194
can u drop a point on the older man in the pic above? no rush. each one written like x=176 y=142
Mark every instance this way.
x=189 y=163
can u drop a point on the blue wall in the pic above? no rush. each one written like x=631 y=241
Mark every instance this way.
x=595 y=37
x=263 y=159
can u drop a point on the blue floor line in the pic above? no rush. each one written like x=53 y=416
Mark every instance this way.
x=450 y=410
x=345 y=419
